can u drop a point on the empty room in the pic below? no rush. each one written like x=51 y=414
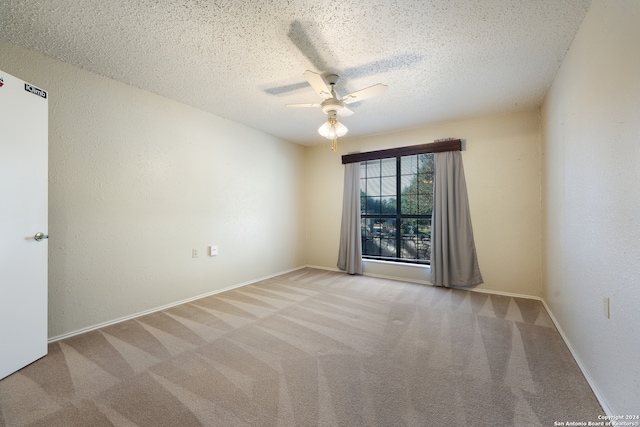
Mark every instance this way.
x=296 y=213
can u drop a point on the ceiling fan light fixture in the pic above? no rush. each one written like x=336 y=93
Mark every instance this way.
x=333 y=129
x=333 y=104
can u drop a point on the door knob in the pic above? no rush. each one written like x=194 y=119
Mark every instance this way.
x=39 y=236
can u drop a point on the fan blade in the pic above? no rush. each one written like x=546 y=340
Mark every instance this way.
x=318 y=84
x=369 y=92
x=344 y=111
x=303 y=105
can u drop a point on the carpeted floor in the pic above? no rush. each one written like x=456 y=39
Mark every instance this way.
x=311 y=348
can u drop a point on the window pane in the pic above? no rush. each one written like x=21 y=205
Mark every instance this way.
x=424 y=227
x=388 y=228
x=388 y=205
x=373 y=168
x=373 y=205
x=425 y=181
x=408 y=184
x=371 y=246
x=409 y=233
x=388 y=187
x=388 y=248
x=425 y=163
x=388 y=167
x=425 y=204
x=409 y=165
x=424 y=239
x=408 y=227
x=370 y=237
x=366 y=227
x=373 y=186
x=409 y=204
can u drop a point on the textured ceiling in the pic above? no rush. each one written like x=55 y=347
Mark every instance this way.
x=243 y=60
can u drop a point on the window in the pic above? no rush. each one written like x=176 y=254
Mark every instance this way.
x=396 y=201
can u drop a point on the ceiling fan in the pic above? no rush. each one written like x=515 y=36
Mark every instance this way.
x=335 y=105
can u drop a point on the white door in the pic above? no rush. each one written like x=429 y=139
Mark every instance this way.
x=23 y=213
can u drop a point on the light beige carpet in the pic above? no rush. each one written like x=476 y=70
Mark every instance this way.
x=311 y=348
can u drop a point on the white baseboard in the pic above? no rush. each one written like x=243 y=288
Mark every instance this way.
x=166 y=306
x=502 y=293
x=317 y=267
x=583 y=368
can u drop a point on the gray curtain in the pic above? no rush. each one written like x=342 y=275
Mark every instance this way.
x=350 y=252
x=454 y=262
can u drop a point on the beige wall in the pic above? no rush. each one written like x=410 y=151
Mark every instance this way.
x=502 y=168
x=591 y=192
x=137 y=181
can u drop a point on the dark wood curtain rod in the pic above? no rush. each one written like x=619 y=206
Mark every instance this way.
x=434 y=147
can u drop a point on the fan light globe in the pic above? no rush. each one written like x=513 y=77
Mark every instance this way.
x=332 y=129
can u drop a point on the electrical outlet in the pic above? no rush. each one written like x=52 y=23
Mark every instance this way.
x=194 y=253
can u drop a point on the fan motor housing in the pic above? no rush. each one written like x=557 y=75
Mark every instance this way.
x=331 y=104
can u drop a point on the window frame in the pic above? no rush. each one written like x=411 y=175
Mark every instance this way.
x=398 y=219
x=448 y=144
